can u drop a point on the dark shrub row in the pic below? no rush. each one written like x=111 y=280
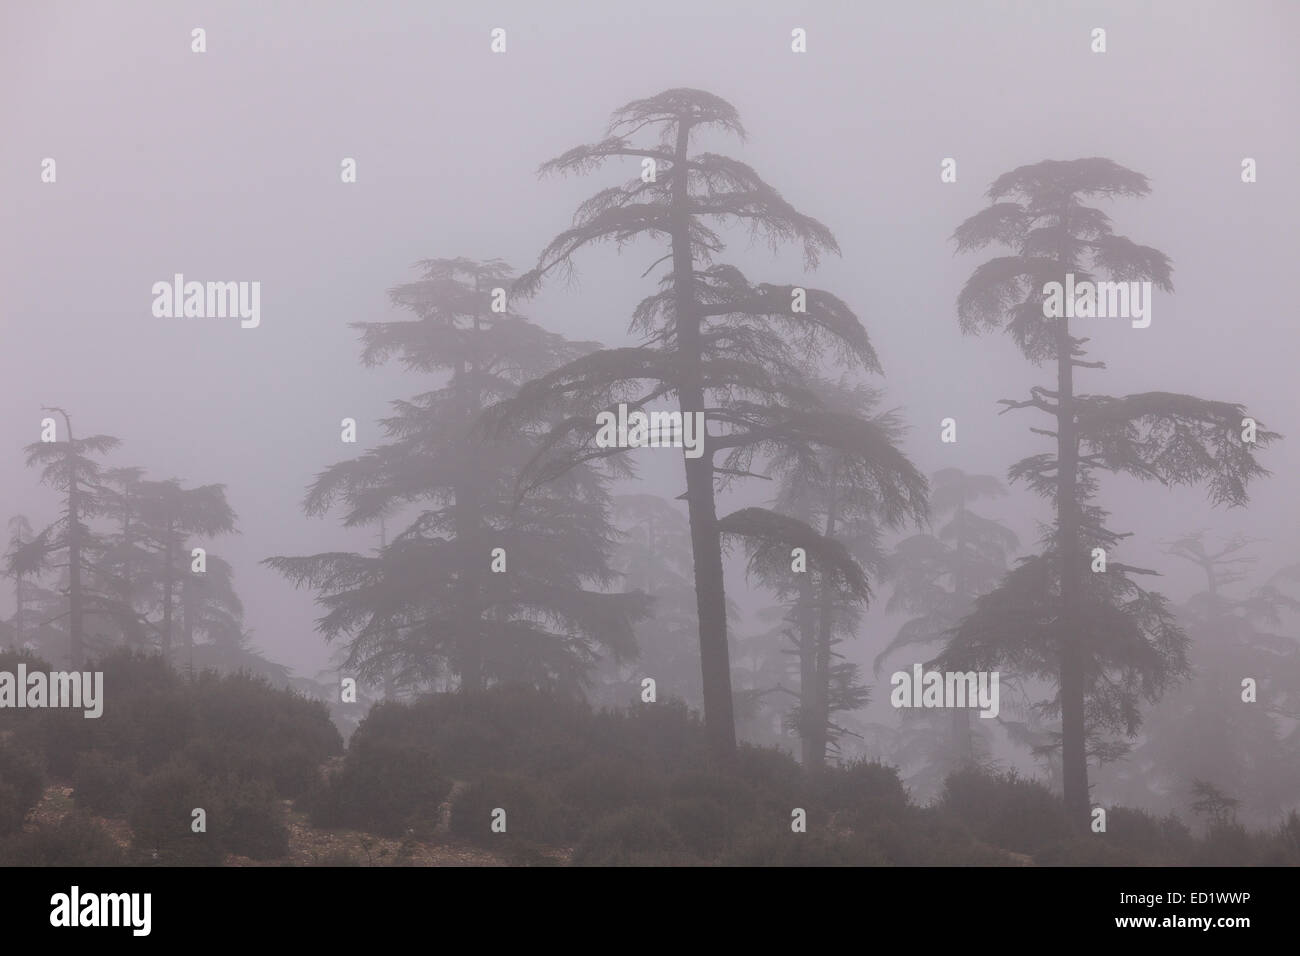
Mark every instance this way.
x=231 y=745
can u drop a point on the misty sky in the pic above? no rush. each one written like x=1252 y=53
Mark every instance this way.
x=225 y=166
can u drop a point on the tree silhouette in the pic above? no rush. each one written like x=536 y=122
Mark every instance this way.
x=24 y=560
x=654 y=557
x=1106 y=643
x=818 y=489
x=720 y=346
x=130 y=566
x=171 y=515
x=937 y=577
x=1205 y=730
x=428 y=604
x=67 y=466
x=211 y=609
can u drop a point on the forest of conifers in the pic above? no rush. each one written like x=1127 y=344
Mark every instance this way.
x=541 y=657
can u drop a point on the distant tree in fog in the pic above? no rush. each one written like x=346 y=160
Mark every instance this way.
x=429 y=605
x=937 y=577
x=1107 y=644
x=69 y=545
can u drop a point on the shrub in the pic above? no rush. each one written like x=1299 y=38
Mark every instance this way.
x=384 y=785
x=105 y=785
x=153 y=727
x=13 y=811
x=703 y=824
x=731 y=793
x=251 y=820
x=1164 y=840
x=633 y=836
x=603 y=784
x=254 y=730
x=76 y=840
x=1005 y=810
x=775 y=775
x=1225 y=844
x=22 y=779
x=862 y=792
x=533 y=813
x=467 y=746
x=1284 y=849
x=162 y=817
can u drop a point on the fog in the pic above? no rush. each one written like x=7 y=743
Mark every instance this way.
x=226 y=166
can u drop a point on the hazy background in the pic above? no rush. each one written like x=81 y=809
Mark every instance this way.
x=225 y=166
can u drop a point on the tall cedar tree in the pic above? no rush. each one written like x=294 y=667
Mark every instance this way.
x=718 y=344
x=429 y=605
x=938 y=576
x=170 y=516
x=67 y=466
x=818 y=489
x=130 y=567
x=24 y=562
x=1106 y=643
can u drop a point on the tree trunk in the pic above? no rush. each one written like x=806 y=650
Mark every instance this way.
x=706 y=546
x=468 y=519
x=806 y=625
x=169 y=582
x=963 y=744
x=1074 y=758
x=390 y=683
x=76 y=611
x=188 y=613
x=18 y=614
x=821 y=717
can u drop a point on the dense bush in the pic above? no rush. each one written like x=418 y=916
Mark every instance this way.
x=165 y=745
x=633 y=787
x=1005 y=810
x=862 y=792
x=775 y=776
x=241 y=816
x=534 y=814
x=22 y=782
x=250 y=820
x=12 y=809
x=75 y=840
x=633 y=836
x=1284 y=848
x=224 y=724
x=105 y=785
x=703 y=824
x=265 y=733
x=384 y=785
x=602 y=785
x=1164 y=840
x=1226 y=844
x=162 y=817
